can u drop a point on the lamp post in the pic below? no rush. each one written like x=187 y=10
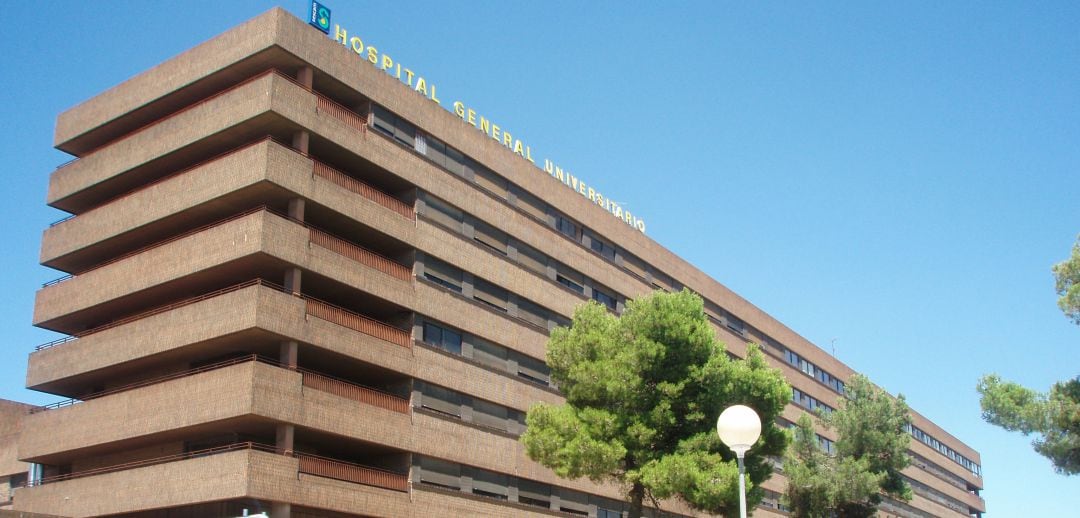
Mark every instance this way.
x=739 y=428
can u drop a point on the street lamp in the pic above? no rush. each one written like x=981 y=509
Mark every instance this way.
x=739 y=427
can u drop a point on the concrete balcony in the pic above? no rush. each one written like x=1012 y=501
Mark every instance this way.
x=245 y=473
x=256 y=244
x=260 y=173
x=248 y=315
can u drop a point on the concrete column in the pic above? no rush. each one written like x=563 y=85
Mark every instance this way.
x=296 y=208
x=284 y=437
x=300 y=141
x=288 y=354
x=292 y=280
x=281 y=510
x=305 y=76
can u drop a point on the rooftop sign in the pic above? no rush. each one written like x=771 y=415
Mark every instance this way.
x=320 y=19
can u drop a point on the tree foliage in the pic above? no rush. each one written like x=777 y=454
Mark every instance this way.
x=871 y=450
x=1067 y=284
x=1054 y=417
x=643 y=392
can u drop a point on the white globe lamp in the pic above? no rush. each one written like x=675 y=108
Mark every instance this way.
x=739 y=428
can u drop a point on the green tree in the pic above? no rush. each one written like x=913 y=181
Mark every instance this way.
x=643 y=392
x=1067 y=284
x=1053 y=416
x=871 y=450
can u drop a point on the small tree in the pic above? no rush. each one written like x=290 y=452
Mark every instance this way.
x=871 y=450
x=643 y=392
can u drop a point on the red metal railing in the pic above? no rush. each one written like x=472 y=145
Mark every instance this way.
x=357 y=322
x=355 y=473
x=358 y=254
x=356 y=186
x=348 y=117
x=355 y=392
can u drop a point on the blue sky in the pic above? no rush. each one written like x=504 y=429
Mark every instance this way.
x=891 y=180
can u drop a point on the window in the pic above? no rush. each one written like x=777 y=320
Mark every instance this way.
x=570 y=278
x=455 y=161
x=443 y=338
x=566 y=226
x=394 y=126
x=532 y=313
x=532 y=369
x=489 y=294
x=531 y=204
x=534 y=493
x=607 y=513
x=440 y=473
x=489 y=414
x=442 y=274
x=489 y=236
x=443 y=213
x=735 y=324
x=488 y=354
x=602 y=248
x=635 y=265
x=487 y=179
x=604 y=298
x=489 y=484
x=664 y=282
x=439 y=399
x=531 y=259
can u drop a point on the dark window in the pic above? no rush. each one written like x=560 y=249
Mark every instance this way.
x=531 y=259
x=490 y=236
x=602 y=248
x=442 y=274
x=443 y=213
x=735 y=324
x=442 y=400
x=604 y=299
x=440 y=473
x=532 y=369
x=566 y=226
x=570 y=278
x=487 y=179
x=489 y=294
x=442 y=337
x=534 y=493
x=531 y=204
x=489 y=484
x=532 y=313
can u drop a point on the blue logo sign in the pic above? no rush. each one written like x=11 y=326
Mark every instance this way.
x=320 y=17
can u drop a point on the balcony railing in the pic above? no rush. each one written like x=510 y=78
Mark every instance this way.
x=355 y=473
x=358 y=254
x=153 y=462
x=355 y=392
x=309 y=464
x=357 y=322
x=356 y=186
x=348 y=117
